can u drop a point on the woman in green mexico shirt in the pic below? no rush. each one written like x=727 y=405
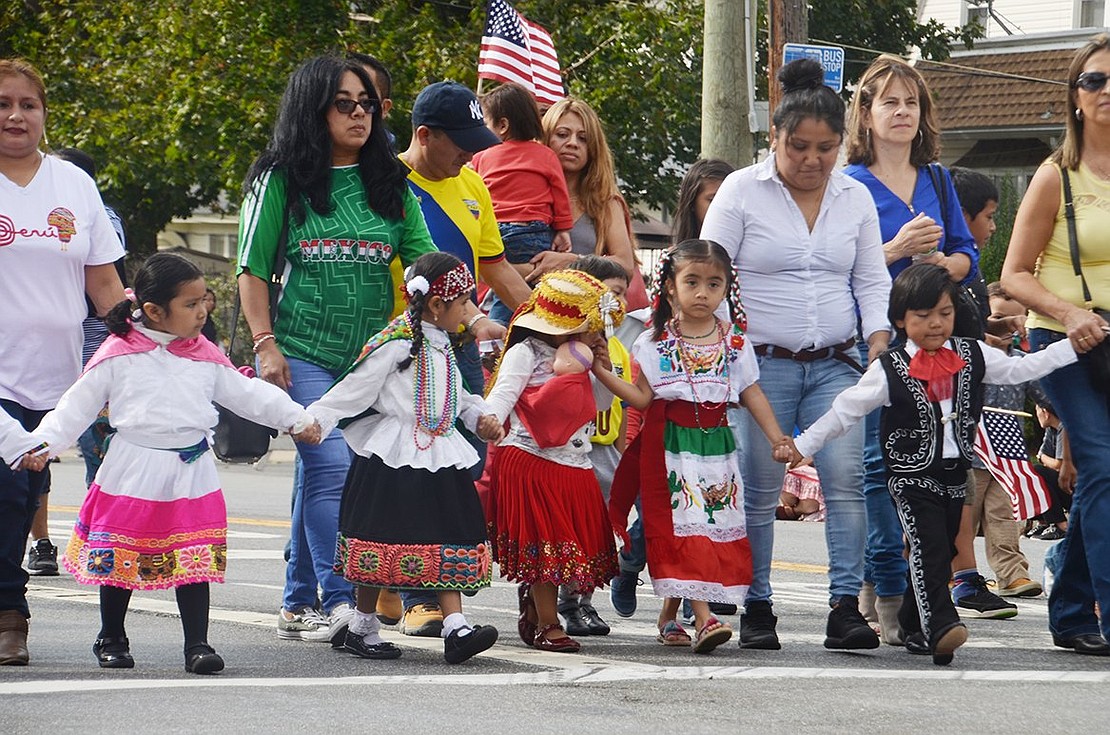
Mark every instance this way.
x=329 y=169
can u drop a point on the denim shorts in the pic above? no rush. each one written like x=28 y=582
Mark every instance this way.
x=524 y=240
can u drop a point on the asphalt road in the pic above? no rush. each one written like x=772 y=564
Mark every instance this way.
x=1008 y=678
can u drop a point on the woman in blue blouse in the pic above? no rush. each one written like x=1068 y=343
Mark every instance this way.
x=892 y=140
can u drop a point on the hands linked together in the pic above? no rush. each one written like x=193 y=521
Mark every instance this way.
x=784 y=451
x=490 y=429
x=34 y=461
x=311 y=435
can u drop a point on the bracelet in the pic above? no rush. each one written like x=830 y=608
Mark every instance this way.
x=259 y=342
x=474 y=320
x=259 y=335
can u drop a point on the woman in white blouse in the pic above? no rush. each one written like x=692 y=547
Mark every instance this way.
x=806 y=242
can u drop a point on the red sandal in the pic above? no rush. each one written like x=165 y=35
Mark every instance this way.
x=561 y=644
x=524 y=627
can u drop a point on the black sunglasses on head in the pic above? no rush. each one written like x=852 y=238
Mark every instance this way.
x=1091 y=81
x=346 y=107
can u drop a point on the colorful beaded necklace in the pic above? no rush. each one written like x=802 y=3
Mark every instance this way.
x=424 y=391
x=683 y=346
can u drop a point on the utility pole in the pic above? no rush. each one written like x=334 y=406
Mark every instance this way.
x=724 y=90
x=789 y=24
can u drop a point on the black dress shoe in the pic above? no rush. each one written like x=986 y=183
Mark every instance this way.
x=1088 y=644
x=356 y=645
x=915 y=644
x=458 y=648
x=203 y=659
x=594 y=622
x=113 y=653
x=574 y=622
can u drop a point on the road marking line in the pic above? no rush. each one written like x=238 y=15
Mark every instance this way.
x=581 y=673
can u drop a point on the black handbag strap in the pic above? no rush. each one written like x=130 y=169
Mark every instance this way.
x=274 y=284
x=1073 y=238
x=942 y=192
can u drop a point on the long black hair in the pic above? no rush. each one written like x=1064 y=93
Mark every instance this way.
x=691 y=251
x=686 y=223
x=301 y=146
x=157 y=282
x=431 y=266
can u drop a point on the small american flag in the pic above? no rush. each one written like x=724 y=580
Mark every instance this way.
x=1001 y=446
x=514 y=49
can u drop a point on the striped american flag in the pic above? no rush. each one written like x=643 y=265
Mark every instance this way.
x=1001 y=446
x=514 y=49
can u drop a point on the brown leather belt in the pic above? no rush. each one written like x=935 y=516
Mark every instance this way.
x=836 y=352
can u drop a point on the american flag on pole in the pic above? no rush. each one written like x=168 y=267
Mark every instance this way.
x=514 y=49
x=1001 y=446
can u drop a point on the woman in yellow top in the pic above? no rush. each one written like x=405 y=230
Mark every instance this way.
x=1038 y=272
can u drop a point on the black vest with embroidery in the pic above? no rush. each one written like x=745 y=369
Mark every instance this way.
x=911 y=432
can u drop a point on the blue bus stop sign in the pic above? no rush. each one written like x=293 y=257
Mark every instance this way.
x=829 y=57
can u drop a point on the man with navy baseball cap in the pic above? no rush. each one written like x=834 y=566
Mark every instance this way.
x=448 y=128
x=452 y=108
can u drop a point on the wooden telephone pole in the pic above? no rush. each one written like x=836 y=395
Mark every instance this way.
x=789 y=24
x=724 y=99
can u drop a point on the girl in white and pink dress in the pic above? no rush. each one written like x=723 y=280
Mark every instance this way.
x=154 y=516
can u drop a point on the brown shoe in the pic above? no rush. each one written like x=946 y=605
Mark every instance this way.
x=13 y=639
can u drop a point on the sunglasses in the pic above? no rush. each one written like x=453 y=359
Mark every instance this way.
x=346 y=107
x=1091 y=81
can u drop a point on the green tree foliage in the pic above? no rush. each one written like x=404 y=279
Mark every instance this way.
x=174 y=98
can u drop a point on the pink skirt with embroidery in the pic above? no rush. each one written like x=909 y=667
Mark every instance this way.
x=150 y=521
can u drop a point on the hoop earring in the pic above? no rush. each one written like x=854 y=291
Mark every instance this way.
x=1078 y=114
x=920 y=135
x=868 y=132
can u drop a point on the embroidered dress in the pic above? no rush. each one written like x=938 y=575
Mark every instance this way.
x=549 y=512
x=154 y=516
x=410 y=517
x=683 y=465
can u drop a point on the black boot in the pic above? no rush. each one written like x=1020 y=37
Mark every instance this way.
x=847 y=629
x=757 y=627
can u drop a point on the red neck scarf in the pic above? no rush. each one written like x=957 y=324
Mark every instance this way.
x=937 y=371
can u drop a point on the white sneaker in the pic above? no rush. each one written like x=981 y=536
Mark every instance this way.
x=339 y=620
x=306 y=624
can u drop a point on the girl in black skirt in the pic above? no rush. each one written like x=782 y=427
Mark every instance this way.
x=410 y=517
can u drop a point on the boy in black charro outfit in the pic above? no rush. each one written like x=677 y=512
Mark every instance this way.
x=931 y=391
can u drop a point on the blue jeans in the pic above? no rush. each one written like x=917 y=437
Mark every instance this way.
x=800 y=393
x=316 y=508
x=19 y=499
x=1083 y=575
x=523 y=241
x=470 y=365
x=883 y=563
x=634 y=561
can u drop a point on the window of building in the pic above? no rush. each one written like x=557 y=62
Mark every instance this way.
x=1092 y=13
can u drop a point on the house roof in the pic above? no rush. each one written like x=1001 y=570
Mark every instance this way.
x=978 y=98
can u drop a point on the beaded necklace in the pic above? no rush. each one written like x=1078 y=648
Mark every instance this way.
x=683 y=346
x=424 y=391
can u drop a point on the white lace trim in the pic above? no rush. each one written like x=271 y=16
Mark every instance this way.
x=700 y=590
x=719 y=534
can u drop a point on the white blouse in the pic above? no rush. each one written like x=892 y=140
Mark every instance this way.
x=706 y=375
x=801 y=288
x=531 y=363
x=872 y=391
x=162 y=401
x=388 y=434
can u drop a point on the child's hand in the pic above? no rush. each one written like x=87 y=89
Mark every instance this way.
x=490 y=429
x=785 y=451
x=602 y=361
x=561 y=242
x=311 y=435
x=33 y=462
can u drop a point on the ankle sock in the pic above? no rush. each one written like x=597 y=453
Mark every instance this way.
x=453 y=622
x=367 y=626
x=962 y=577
